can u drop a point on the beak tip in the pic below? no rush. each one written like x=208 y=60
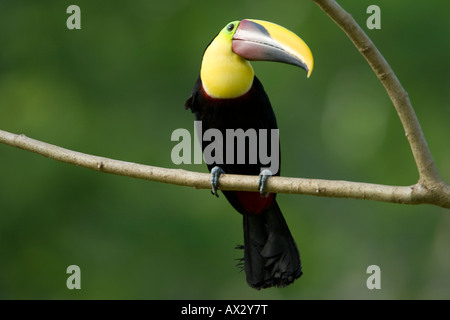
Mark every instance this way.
x=309 y=68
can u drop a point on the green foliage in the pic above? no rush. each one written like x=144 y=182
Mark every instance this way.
x=117 y=87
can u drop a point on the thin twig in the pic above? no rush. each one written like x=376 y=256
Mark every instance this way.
x=326 y=188
x=428 y=172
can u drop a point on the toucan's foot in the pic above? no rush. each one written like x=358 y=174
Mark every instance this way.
x=263 y=176
x=215 y=173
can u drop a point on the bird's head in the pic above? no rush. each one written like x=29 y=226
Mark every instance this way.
x=226 y=71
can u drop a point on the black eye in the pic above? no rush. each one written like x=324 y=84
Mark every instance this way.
x=230 y=27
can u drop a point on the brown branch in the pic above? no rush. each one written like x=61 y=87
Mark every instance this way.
x=326 y=188
x=427 y=169
x=428 y=174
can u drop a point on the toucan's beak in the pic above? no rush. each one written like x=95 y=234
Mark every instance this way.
x=265 y=41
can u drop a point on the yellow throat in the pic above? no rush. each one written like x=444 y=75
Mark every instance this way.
x=224 y=74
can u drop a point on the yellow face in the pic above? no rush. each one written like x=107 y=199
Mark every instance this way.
x=224 y=74
x=226 y=71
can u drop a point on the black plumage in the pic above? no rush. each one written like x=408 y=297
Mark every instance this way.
x=271 y=257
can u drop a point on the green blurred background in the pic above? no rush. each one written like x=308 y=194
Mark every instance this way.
x=117 y=87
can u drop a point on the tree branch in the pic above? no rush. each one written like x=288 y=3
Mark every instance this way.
x=428 y=172
x=414 y=194
x=430 y=189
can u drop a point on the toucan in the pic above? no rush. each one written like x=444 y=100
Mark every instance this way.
x=228 y=95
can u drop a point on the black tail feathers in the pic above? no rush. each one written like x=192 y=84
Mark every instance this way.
x=271 y=257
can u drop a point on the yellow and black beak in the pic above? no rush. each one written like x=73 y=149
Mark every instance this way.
x=258 y=40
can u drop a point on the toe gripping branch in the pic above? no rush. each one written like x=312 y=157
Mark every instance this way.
x=263 y=176
x=215 y=173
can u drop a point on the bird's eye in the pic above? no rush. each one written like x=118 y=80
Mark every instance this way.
x=230 y=27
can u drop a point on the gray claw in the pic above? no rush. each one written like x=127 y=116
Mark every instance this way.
x=263 y=176
x=215 y=173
